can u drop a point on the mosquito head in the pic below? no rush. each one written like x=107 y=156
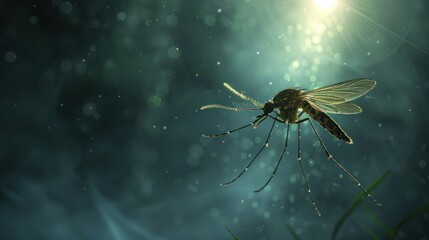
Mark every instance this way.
x=268 y=107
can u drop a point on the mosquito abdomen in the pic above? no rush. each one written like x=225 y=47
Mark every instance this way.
x=327 y=122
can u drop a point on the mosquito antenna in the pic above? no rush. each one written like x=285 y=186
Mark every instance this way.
x=242 y=96
x=278 y=163
x=330 y=157
x=245 y=106
x=254 y=158
x=303 y=172
x=227 y=108
x=258 y=120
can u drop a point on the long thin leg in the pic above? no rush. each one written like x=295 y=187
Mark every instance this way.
x=276 y=119
x=303 y=172
x=330 y=157
x=258 y=120
x=278 y=163
x=256 y=156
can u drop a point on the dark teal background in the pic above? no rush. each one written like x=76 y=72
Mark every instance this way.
x=100 y=132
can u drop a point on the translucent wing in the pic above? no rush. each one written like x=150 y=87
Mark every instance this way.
x=340 y=92
x=242 y=96
x=341 y=108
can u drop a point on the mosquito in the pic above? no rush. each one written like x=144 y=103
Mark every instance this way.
x=288 y=107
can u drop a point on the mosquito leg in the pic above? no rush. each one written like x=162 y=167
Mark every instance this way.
x=254 y=158
x=276 y=119
x=278 y=163
x=303 y=172
x=258 y=120
x=300 y=116
x=330 y=157
x=299 y=134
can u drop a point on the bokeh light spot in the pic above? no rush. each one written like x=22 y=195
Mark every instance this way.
x=66 y=66
x=32 y=20
x=246 y=143
x=109 y=64
x=295 y=64
x=210 y=20
x=172 y=20
x=10 y=57
x=66 y=7
x=121 y=16
x=316 y=39
x=267 y=214
x=214 y=212
x=80 y=68
x=173 y=52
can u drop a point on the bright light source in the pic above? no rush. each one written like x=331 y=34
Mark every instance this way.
x=326 y=4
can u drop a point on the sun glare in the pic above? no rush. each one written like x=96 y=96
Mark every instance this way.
x=326 y=4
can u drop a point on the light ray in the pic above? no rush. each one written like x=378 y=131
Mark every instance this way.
x=388 y=30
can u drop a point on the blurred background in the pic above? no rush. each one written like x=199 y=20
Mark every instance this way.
x=101 y=131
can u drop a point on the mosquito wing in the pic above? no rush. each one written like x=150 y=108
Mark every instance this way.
x=336 y=98
x=340 y=92
x=342 y=108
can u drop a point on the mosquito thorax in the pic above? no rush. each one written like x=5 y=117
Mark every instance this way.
x=286 y=96
x=287 y=102
x=268 y=107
